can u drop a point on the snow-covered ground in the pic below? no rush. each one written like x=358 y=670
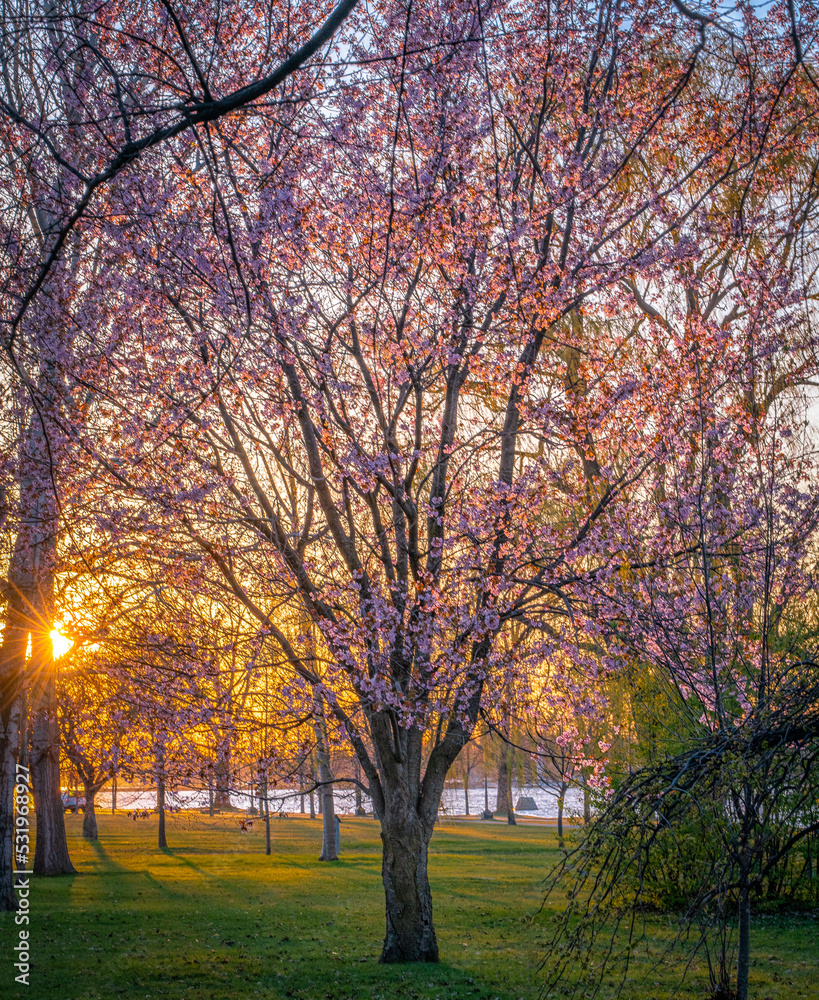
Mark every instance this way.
x=287 y=800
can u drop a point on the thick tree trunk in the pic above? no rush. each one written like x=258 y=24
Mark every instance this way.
x=410 y=933
x=89 y=819
x=12 y=663
x=8 y=900
x=51 y=849
x=744 y=944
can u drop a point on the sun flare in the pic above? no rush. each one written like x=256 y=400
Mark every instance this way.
x=60 y=644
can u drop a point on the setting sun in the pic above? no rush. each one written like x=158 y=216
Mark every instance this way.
x=60 y=644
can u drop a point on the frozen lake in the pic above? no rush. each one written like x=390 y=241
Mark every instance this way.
x=289 y=801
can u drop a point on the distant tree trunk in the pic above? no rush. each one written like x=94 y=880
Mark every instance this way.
x=586 y=801
x=264 y=807
x=113 y=795
x=89 y=817
x=561 y=800
x=210 y=798
x=329 y=846
x=312 y=805
x=487 y=814
x=502 y=802
x=51 y=849
x=162 y=842
x=223 y=781
x=505 y=774
x=466 y=792
x=301 y=793
x=359 y=808
x=744 y=944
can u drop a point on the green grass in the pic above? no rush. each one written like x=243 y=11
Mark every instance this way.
x=214 y=919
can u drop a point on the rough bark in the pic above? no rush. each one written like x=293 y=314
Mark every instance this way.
x=12 y=663
x=410 y=935
x=29 y=596
x=51 y=855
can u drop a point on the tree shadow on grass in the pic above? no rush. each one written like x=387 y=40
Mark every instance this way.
x=105 y=864
x=348 y=978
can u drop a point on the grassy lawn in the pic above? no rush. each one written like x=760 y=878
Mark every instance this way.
x=214 y=919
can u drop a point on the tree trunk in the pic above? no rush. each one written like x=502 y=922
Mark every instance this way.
x=301 y=793
x=114 y=795
x=502 y=803
x=410 y=933
x=12 y=665
x=162 y=842
x=561 y=799
x=586 y=802
x=264 y=809
x=51 y=849
x=466 y=794
x=744 y=944
x=223 y=782
x=8 y=748
x=359 y=808
x=329 y=846
x=210 y=799
x=89 y=818
x=510 y=808
x=486 y=812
